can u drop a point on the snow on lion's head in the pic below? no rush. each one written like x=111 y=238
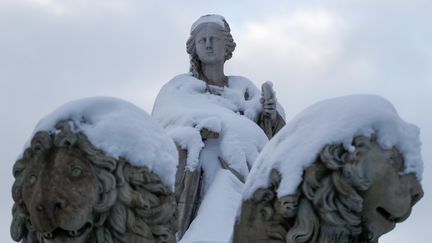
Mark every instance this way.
x=344 y=170
x=69 y=190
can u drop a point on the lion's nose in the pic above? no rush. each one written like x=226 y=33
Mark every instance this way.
x=60 y=204
x=40 y=207
x=417 y=193
x=416 y=190
x=54 y=205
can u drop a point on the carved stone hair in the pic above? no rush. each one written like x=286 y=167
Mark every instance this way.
x=195 y=62
x=133 y=206
x=331 y=205
x=326 y=207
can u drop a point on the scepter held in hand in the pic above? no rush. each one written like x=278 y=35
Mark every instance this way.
x=268 y=101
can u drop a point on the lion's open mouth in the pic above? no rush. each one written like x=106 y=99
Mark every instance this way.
x=388 y=216
x=62 y=233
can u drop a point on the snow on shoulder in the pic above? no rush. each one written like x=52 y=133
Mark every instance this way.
x=333 y=121
x=120 y=129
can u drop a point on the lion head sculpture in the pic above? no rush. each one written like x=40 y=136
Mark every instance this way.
x=66 y=190
x=343 y=197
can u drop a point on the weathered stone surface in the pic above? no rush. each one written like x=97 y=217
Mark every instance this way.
x=344 y=197
x=68 y=191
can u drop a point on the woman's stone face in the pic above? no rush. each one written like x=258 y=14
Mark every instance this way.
x=210 y=44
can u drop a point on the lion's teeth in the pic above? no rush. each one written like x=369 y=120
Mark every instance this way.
x=48 y=235
x=73 y=233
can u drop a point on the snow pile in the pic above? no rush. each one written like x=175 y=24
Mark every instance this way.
x=120 y=129
x=333 y=121
x=210 y=18
x=215 y=219
x=184 y=106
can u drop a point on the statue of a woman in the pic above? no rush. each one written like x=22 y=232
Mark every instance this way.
x=220 y=123
x=209 y=46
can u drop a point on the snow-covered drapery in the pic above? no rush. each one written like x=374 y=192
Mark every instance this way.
x=185 y=105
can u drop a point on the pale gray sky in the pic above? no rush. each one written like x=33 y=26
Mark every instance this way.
x=53 y=51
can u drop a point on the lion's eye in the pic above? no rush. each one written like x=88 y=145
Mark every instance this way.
x=32 y=179
x=76 y=171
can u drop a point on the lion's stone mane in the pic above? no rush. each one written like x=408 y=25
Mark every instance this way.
x=326 y=207
x=133 y=206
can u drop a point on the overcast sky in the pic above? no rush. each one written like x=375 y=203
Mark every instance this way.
x=54 y=51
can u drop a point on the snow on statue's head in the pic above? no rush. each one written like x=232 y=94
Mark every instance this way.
x=352 y=193
x=219 y=35
x=68 y=190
